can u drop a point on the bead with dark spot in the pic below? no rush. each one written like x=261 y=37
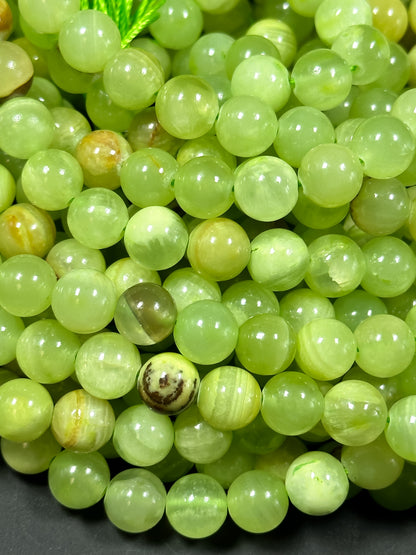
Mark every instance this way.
x=168 y=383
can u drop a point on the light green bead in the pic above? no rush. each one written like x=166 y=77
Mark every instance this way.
x=291 y=403
x=257 y=501
x=78 y=480
x=279 y=259
x=373 y=466
x=156 y=237
x=325 y=349
x=386 y=345
x=88 y=39
x=265 y=188
x=280 y=34
x=46 y=351
x=198 y=441
x=316 y=483
x=26 y=285
x=70 y=254
x=25 y=410
x=196 y=506
x=143 y=437
x=187 y=106
x=107 y=364
x=266 y=344
x=321 y=78
x=229 y=398
x=188 y=286
x=135 y=500
x=30 y=457
x=132 y=78
x=84 y=301
x=355 y=412
x=337 y=265
x=205 y=332
x=26 y=126
x=125 y=273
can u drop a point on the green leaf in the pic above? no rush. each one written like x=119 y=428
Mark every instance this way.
x=130 y=24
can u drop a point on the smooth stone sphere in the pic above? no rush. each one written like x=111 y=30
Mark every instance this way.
x=316 y=483
x=106 y=365
x=229 y=398
x=25 y=410
x=78 y=480
x=84 y=301
x=196 y=506
x=81 y=422
x=257 y=501
x=135 y=500
x=279 y=259
x=145 y=314
x=142 y=437
x=168 y=383
x=156 y=237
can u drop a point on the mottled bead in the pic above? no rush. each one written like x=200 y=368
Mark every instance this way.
x=168 y=383
x=145 y=314
x=81 y=422
x=101 y=154
x=25 y=229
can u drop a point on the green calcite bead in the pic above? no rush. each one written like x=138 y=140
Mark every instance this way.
x=107 y=365
x=400 y=433
x=145 y=314
x=30 y=457
x=69 y=255
x=229 y=398
x=82 y=422
x=168 y=383
x=248 y=298
x=143 y=437
x=292 y=403
x=266 y=344
x=25 y=410
x=257 y=501
x=135 y=500
x=355 y=412
x=206 y=332
x=196 y=506
x=197 y=440
x=188 y=286
x=386 y=345
x=125 y=273
x=78 y=480
x=316 y=483
x=218 y=248
x=46 y=351
x=279 y=259
x=336 y=267
x=373 y=466
x=326 y=349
